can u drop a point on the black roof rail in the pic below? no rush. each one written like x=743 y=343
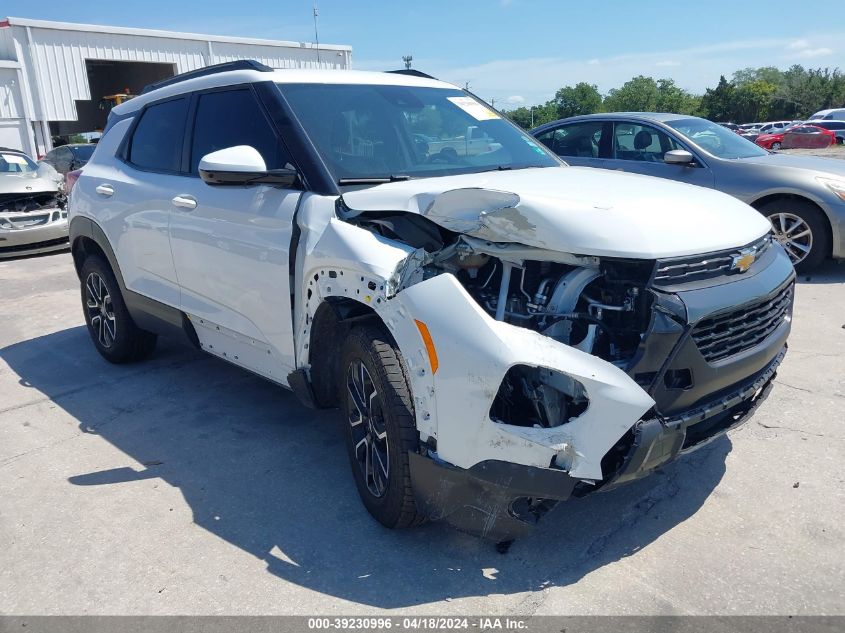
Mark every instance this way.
x=412 y=72
x=240 y=64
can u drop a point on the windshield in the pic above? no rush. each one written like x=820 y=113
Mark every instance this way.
x=371 y=132
x=15 y=163
x=715 y=139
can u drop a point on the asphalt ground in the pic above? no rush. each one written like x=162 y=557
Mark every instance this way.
x=183 y=485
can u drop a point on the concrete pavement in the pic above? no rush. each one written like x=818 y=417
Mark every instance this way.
x=183 y=485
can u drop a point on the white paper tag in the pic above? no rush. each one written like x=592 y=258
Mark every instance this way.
x=14 y=159
x=474 y=109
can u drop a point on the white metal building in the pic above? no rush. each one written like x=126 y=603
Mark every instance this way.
x=54 y=75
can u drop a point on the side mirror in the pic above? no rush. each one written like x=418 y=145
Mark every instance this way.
x=678 y=157
x=242 y=165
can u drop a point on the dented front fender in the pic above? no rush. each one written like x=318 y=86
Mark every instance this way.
x=474 y=352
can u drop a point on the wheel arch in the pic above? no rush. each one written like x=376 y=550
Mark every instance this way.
x=759 y=203
x=88 y=238
x=333 y=319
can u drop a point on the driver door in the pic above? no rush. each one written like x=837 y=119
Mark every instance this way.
x=230 y=243
x=640 y=148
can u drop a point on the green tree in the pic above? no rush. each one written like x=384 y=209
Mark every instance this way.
x=639 y=94
x=526 y=118
x=583 y=98
x=672 y=98
x=717 y=103
x=752 y=101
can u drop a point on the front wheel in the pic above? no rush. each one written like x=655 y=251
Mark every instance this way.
x=376 y=402
x=775 y=146
x=801 y=229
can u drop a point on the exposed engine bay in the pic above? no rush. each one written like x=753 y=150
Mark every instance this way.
x=600 y=306
x=27 y=202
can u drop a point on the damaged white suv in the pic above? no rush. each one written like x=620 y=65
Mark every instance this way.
x=501 y=331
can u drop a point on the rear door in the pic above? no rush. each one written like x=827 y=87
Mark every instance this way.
x=639 y=148
x=132 y=193
x=230 y=244
x=578 y=143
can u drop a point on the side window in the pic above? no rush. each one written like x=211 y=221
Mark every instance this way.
x=632 y=141
x=580 y=140
x=61 y=161
x=157 y=141
x=234 y=117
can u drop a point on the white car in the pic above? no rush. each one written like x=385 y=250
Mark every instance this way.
x=500 y=331
x=33 y=218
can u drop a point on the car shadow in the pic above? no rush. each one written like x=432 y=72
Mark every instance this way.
x=831 y=271
x=272 y=478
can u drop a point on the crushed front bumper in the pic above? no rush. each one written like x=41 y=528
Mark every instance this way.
x=501 y=500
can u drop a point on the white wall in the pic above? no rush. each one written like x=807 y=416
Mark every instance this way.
x=52 y=74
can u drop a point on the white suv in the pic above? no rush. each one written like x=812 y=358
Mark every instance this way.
x=501 y=331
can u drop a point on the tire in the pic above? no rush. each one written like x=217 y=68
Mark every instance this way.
x=784 y=213
x=775 y=146
x=380 y=430
x=110 y=325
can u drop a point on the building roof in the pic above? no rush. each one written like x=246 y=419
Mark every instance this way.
x=122 y=30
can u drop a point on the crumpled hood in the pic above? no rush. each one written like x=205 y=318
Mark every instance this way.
x=29 y=181
x=579 y=210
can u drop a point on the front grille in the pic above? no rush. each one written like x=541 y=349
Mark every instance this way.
x=682 y=270
x=724 y=335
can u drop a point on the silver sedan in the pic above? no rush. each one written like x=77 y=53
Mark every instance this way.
x=803 y=196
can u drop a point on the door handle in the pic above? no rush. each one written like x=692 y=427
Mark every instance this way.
x=184 y=202
x=105 y=190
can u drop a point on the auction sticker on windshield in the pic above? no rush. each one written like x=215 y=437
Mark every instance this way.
x=474 y=109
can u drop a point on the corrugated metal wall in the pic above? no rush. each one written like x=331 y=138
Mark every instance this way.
x=10 y=97
x=55 y=59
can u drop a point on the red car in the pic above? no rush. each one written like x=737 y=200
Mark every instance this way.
x=771 y=141
x=807 y=137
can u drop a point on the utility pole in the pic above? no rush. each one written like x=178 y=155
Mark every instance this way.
x=466 y=86
x=316 y=34
x=493 y=102
x=407 y=59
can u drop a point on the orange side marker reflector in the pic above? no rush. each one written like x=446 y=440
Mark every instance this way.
x=429 y=345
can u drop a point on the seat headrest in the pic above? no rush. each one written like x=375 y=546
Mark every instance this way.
x=642 y=139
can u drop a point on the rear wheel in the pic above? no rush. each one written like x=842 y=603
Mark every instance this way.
x=380 y=429
x=110 y=325
x=801 y=229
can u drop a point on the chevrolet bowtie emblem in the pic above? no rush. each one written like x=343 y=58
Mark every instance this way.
x=743 y=261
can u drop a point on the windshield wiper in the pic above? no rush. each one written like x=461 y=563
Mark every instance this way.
x=373 y=180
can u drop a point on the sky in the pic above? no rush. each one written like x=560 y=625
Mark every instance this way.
x=515 y=52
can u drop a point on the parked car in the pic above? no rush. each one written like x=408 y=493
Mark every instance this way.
x=808 y=137
x=773 y=127
x=836 y=114
x=837 y=127
x=803 y=196
x=500 y=331
x=33 y=218
x=772 y=140
x=733 y=127
x=66 y=158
